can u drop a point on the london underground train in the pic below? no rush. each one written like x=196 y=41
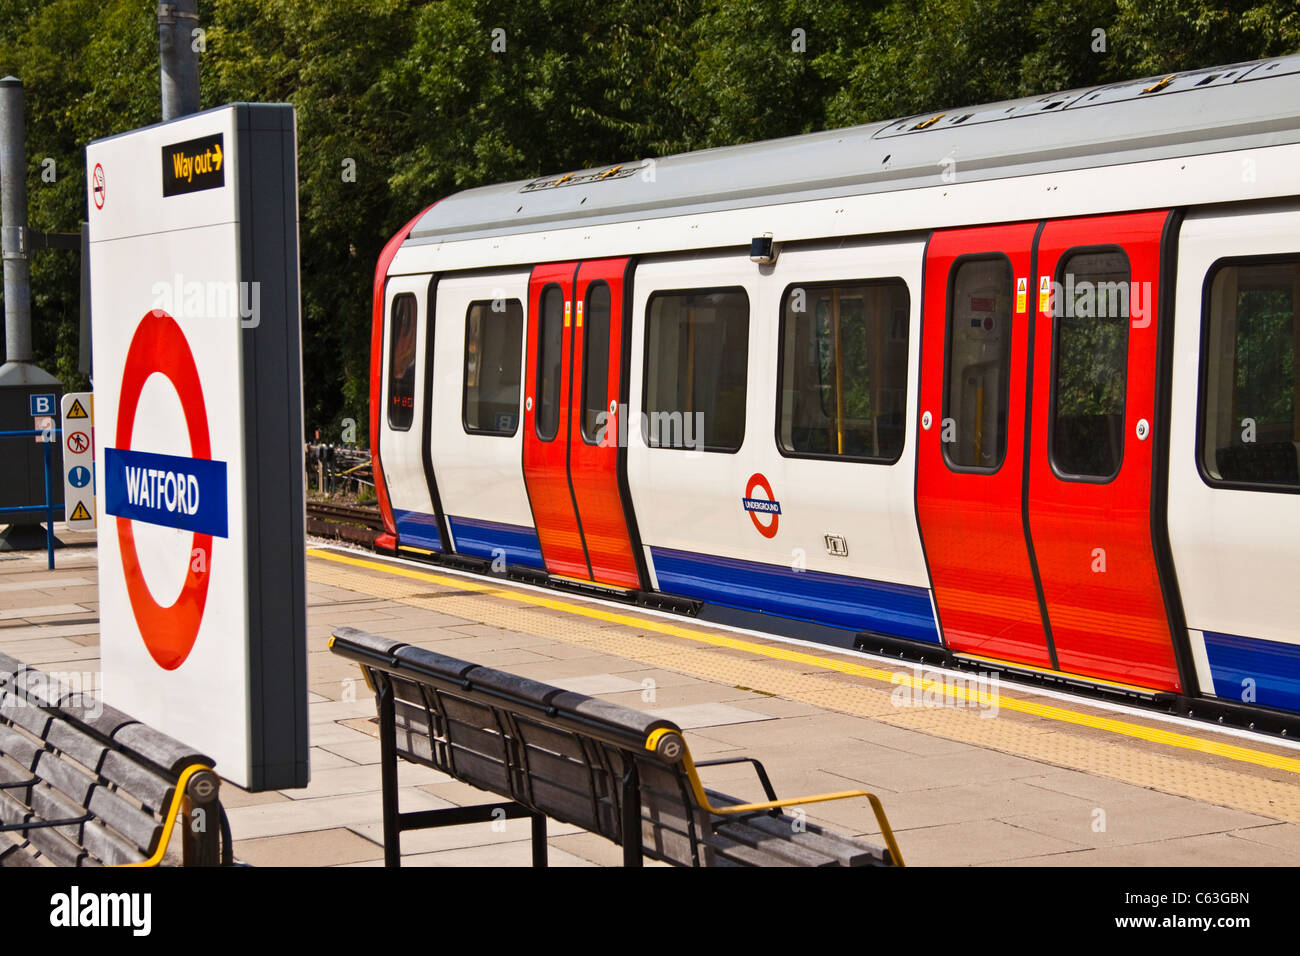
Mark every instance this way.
x=1012 y=386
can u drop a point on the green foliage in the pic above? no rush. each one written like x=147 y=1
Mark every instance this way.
x=425 y=99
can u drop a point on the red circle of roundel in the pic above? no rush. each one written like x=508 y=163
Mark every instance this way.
x=159 y=345
x=759 y=481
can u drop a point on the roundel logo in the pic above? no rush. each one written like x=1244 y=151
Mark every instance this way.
x=167 y=490
x=767 y=506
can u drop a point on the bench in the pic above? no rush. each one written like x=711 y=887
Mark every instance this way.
x=83 y=784
x=623 y=774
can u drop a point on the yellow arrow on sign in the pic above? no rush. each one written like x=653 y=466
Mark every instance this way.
x=217 y=158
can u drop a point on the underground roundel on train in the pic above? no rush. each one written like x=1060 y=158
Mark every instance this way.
x=765 y=512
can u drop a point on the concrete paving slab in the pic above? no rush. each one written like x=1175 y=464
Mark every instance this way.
x=333 y=847
x=323 y=813
x=689 y=716
x=597 y=684
x=362 y=778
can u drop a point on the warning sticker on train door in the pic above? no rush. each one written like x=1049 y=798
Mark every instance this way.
x=1045 y=294
x=1022 y=291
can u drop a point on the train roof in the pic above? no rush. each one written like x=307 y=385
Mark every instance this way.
x=1241 y=106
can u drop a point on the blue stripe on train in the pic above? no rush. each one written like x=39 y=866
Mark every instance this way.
x=488 y=539
x=835 y=599
x=417 y=529
x=1273 y=667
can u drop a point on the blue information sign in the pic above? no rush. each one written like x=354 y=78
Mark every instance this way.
x=41 y=404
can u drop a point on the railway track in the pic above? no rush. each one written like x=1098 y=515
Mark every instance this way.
x=344 y=522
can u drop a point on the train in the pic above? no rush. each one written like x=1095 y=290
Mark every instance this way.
x=1008 y=387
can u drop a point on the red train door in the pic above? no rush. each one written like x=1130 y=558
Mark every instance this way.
x=976 y=343
x=1091 y=441
x=602 y=331
x=574 y=374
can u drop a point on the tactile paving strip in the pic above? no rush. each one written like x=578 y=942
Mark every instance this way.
x=1041 y=740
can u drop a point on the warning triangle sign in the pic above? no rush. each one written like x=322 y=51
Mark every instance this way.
x=76 y=411
x=80 y=513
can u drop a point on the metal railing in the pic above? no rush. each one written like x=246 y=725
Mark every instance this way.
x=48 y=507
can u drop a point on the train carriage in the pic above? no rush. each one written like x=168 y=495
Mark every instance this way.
x=1011 y=386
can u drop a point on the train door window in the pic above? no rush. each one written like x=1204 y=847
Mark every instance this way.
x=975 y=400
x=493 y=355
x=697 y=353
x=843 y=371
x=401 y=362
x=595 y=363
x=1250 y=390
x=550 y=349
x=1090 y=314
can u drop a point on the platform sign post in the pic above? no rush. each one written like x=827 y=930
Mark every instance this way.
x=78 y=427
x=198 y=440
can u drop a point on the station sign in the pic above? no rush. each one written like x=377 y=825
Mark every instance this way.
x=196 y=343
x=78 y=461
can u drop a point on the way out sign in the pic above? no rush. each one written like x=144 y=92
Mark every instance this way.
x=78 y=461
x=198 y=436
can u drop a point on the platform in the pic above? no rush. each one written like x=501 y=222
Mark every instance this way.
x=970 y=773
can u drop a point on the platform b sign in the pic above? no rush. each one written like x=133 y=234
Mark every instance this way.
x=197 y=444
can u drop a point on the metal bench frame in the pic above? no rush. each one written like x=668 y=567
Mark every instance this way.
x=630 y=775
x=83 y=784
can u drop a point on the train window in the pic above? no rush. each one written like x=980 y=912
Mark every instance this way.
x=697 y=352
x=843 y=371
x=1250 y=391
x=1090 y=357
x=595 y=364
x=493 y=350
x=401 y=362
x=974 y=426
x=550 y=346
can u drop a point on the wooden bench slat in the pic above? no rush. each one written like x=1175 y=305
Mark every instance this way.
x=476 y=739
x=742 y=854
x=157 y=748
x=77 y=744
x=539 y=735
x=480 y=771
x=63 y=775
x=22 y=713
x=139 y=781
x=18 y=748
x=562 y=770
x=848 y=851
x=94 y=713
x=143 y=831
x=107 y=847
x=60 y=844
x=49 y=804
x=16 y=855
x=787 y=846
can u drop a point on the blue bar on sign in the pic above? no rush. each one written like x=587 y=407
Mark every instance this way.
x=761 y=505
x=166 y=490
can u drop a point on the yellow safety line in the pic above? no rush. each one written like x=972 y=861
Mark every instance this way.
x=177 y=798
x=1033 y=708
